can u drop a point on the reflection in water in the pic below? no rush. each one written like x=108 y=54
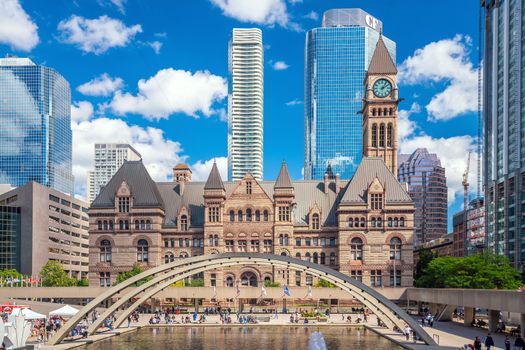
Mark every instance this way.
x=249 y=338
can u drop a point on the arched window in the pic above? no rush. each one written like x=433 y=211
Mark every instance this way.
x=389 y=135
x=111 y=225
x=374 y=112
x=142 y=224
x=402 y=222
x=391 y=112
x=215 y=241
x=356 y=249
x=239 y=215
x=298 y=255
x=374 y=135
x=316 y=258
x=126 y=225
x=265 y=215
x=232 y=216
x=396 y=222
x=395 y=249
x=379 y=222
x=373 y=222
x=183 y=255
x=390 y=221
x=137 y=225
x=382 y=135
x=363 y=222
x=323 y=259
x=248 y=215
x=315 y=221
x=281 y=240
x=257 y=215
x=148 y=225
x=283 y=254
x=332 y=258
x=286 y=241
x=121 y=224
x=249 y=279
x=350 y=222
x=184 y=223
x=229 y=281
x=379 y=112
x=99 y=225
x=105 y=225
x=307 y=257
x=169 y=257
x=142 y=251
x=385 y=111
x=210 y=240
x=105 y=251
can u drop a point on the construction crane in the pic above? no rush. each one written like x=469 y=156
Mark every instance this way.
x=465 y=203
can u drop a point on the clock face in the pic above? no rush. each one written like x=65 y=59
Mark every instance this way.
x=382 y=88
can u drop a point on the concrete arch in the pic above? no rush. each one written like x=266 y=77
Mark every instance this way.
x=165 y=275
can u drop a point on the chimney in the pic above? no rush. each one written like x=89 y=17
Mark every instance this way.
x=337 y=183
x=181 y=175
x=326 y=183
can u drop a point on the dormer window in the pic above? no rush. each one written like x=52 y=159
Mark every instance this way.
x=123 y=204
x=248 y=187
x=315 y=222
x=184 y=223
x=376 y=201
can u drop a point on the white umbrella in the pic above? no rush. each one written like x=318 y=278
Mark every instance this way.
x=66 y=311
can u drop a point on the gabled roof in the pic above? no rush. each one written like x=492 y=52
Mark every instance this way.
x=381 y=62
x=214 y=181
x=368 y=170
x=283 y=180
x=143 y=189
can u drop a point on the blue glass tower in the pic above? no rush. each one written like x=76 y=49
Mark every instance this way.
x=35 y=119
x=337 y=56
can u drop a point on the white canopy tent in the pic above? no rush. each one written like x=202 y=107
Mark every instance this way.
x=64 y=311
x=28 y=314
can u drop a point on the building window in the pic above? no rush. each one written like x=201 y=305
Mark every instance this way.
x=248 y=187
x=187 y=242
x=213 y=214
x=377 y=222
x=239 y=216
x=298 y=256
x=374 y=135
x=332 y=258
x=242 y=245
x=350 y=222
x=105 y=225
x=105 y=251
x=323 y=259
x=376 y=201
x=382 y=135
x=357 y=275
x=229 y=245
x=148 y=225
x=316 y=241
x=105 y=279
x=375 y=278
x=111 y=225
x=166 y=243
x=298 y=242
x=169 y=257
x=308 y=241
x=315 y=221
x=142 y=251
x=395 y=249
x=123 y=204
x=316 y=258
x=286 y=240
x=229 y=281
x=356 y=249
x=213 y=279
x=184 y=223
x=248 y=215
x=390 y=222
x=396 y=222
x=137 y=225
x=183 y=255
x=267 y=245
x=333 y=242
x=232 y=216
x=309 y=279
x=257 y=215
x=402 y=222
x=99 y=225
x=172 y=243
x=142 y=224
x=395 y=277
x=363 y=222
x=389 y=135
x=323 y=242
x=254 y=245
x=307 y=257
x=265 y=214
x=298 y=278
x=284 y=213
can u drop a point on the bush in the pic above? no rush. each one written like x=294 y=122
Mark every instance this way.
x=197 y=282
x=325 y=283
x=271 y=284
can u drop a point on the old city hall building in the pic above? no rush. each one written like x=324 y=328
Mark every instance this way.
x=362 y=227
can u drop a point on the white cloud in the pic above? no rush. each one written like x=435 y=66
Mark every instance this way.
x=96 y=35
x=102 y=85
x=173 y=91
x=405 y=126
x=269 y=12
x=280 y=65
x=445 y=61
x=155 y=45
x=314 y=16
x=294 y=102
x=81 y=111
x=120 y=5
x=201 y=170
x=16 y=27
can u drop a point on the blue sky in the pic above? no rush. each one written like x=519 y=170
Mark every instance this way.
x=179 y=49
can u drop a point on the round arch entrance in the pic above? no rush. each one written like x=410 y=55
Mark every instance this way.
x=165 y=275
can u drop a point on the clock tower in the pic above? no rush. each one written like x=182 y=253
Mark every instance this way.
x=380 y=108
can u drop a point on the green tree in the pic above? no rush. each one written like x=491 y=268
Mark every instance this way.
x=325 y=283
x=84 y=282
x=196 y=282
x=271 y=284
x=53 y=275
x=478 y=271
x=425 y=257
x=122 y=276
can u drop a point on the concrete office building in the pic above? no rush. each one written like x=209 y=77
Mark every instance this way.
x=109 y=157
x=245 y=104
x=52 y=226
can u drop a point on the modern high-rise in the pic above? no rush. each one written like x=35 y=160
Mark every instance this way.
x=427 y=185
x=35 y=119
x=337 y=56
x=504 y=128
x=245 y=104
x=109 y=157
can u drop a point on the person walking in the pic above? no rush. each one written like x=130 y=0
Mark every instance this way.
x=129 y=321
x=519 y=343
x=489 y=342
x=507 y=343
x=477 y=343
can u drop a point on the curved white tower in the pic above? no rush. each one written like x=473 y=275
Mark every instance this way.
x=245 y=104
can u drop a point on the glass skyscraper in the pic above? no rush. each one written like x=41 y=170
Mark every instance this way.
x=35 y=119
x=337 y=56
x=504 y=128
